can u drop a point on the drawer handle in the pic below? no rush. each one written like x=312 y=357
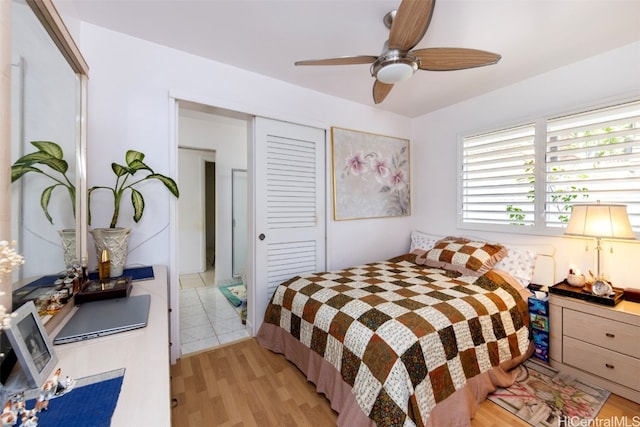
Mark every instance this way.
x=610 y=335
x=609 y=365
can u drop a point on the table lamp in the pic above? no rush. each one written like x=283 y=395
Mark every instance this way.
x=600 y=221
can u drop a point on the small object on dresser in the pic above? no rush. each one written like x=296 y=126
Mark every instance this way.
x=632 y=294
x=564 y=289
x=104 y=266
x=576 y=280
x=95 y=290
x=601 y=288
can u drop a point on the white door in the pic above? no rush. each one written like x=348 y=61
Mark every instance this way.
x=289 y=221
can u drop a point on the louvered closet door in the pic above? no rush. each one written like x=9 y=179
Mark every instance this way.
x=290 y=197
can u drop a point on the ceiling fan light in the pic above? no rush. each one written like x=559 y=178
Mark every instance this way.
x=395 y=72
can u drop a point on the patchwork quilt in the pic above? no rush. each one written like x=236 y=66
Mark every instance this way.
x=404 y=336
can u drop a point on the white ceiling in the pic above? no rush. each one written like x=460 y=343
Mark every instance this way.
x=268 y=36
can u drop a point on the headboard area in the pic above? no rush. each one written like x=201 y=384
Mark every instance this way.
x=543 y=272
x=545 y=269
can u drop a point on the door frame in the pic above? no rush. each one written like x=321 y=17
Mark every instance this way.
x=234 y=226
x=174 y=97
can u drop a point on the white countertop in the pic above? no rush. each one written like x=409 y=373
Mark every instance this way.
x=145 y=395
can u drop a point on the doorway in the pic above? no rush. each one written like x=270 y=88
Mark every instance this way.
x=288 y=156
x=210 y=214
x=211 y=146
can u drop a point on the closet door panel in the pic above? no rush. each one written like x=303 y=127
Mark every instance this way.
x=290 y=226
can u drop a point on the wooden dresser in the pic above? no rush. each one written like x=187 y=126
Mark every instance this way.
x=597 y=343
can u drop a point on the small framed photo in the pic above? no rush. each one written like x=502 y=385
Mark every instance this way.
x=32 y=345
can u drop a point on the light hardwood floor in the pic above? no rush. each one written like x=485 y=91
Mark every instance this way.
x=242 y=384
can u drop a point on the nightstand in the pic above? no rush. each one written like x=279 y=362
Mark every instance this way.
x=599 y=344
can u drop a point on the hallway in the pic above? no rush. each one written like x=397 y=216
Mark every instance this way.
x=207 y=318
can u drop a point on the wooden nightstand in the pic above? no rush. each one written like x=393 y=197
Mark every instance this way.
x=597 y=343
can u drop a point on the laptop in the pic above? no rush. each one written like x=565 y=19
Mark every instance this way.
x=105 y=317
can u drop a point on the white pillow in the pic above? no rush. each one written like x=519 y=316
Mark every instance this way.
x=424 y=241
x=519 y=262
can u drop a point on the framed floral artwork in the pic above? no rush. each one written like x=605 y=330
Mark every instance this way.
x=370 y=175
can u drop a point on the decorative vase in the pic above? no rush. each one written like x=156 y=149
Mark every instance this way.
x=115 y=240
x=68 y=236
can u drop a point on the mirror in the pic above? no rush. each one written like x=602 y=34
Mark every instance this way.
x=48 y=99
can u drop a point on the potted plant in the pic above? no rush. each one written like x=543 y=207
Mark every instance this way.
x=114 y=238
x=51 y=155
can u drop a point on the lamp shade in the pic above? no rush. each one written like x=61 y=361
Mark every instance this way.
x=600 y=221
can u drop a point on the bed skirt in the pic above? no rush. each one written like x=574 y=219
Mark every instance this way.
x=456 y=410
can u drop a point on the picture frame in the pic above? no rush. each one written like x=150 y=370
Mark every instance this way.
x=31 y=344
x=371 y=175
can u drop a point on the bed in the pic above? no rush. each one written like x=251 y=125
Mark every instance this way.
x=419 y=339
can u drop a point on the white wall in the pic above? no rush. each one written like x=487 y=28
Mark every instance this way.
x=130 y=81
x=228 y=138
x=607 y=77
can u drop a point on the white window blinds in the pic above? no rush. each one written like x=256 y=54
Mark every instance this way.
x=498 y=177
x=585 y=157
x=593 y=156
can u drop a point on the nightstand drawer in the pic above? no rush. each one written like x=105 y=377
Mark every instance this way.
x=603 y=332
x=608 y=364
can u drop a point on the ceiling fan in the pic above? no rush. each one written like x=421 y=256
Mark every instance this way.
x=397 y=62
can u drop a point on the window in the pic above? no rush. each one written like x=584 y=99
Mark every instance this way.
x=593 y=156
x=498 y=177
x=530 y=176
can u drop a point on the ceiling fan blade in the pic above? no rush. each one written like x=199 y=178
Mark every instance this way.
x=410 y=23
x=343 y=60
x=380 y=91
x=454 y=58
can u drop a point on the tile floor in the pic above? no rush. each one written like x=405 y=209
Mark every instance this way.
x=207 y=318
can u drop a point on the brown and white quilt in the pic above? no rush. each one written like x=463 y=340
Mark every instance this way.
x=403 y=336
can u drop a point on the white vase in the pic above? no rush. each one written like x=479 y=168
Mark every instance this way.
x=68 y=237
x=115 y=240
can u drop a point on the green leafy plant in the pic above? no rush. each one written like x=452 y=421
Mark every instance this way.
x=51 y=155
x=517 y=214
x=124 y=176
x=562 y=199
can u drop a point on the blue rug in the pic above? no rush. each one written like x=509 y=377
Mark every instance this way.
x=235 y=293
x=90 y=403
